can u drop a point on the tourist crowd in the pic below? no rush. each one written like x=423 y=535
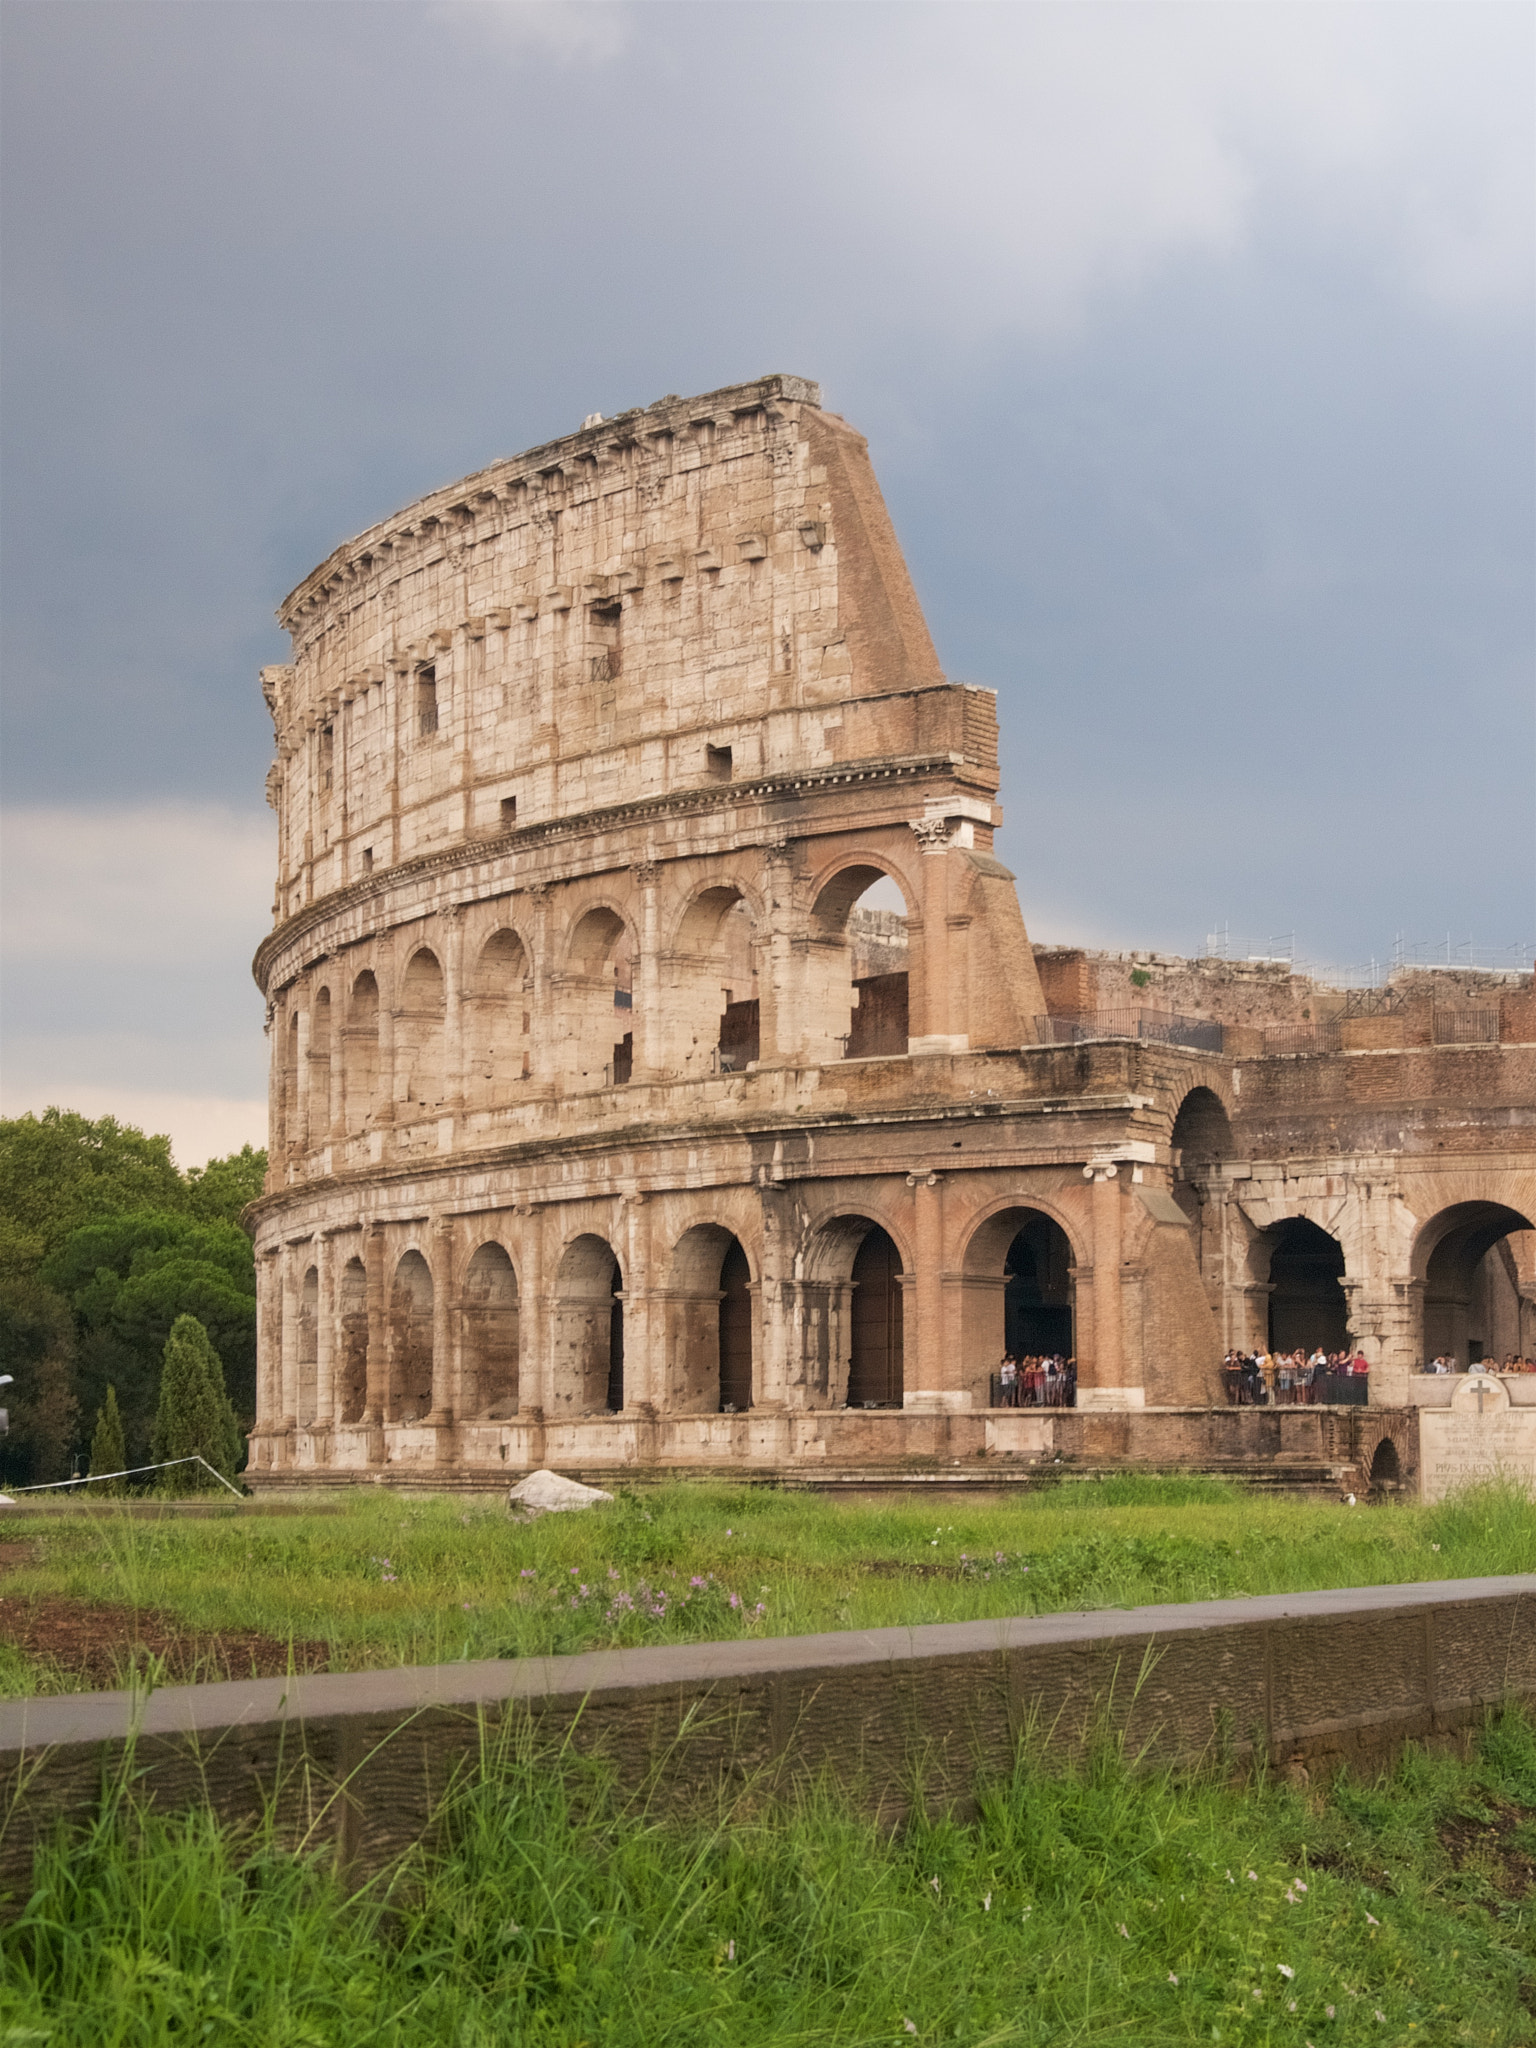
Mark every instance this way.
x=1288 y=1378
x=1511 y=1364
x=1035 y=1382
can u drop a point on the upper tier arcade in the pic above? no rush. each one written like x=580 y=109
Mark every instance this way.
x=707 y=589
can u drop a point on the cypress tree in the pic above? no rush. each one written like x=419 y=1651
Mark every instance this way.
x=195 y=1417
x=109 y=1453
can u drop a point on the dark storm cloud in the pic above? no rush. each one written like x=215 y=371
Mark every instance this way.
x=1192 y=343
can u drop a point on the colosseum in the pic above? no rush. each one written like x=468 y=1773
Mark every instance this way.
x=620 y=1118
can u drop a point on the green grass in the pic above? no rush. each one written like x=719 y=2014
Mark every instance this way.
x=403 y=1580
x=1096 y=1907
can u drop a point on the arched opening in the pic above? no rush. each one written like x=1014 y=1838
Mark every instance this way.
x=419 y=1035
x=1478 y=1262
x=588 y=1330
x=735 y=1331
x=308 y=1348
x=360 y=1057
x=596 y=994
x=1201 y=1138
x=498 y=1022
x=875 y=1324
x=1386 y=1468
x=1018 y=1303
x=710 y=979
x=293 y=1132
x=320 y=1069
x=410 y=1341
x=709 y=1322
x=1308 y=1309
x=857 y=991
x=352 y=1365
x=488 y=1387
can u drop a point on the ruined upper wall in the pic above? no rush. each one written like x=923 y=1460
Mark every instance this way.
x=687 y=593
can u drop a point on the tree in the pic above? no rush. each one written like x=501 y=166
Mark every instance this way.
x=61 y=1170
x=37 y=1341
x=219 y=1191
x=195 y=1418
x=108 y=1451
x=129 y=1278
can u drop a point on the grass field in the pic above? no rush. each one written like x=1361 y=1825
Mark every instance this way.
x=1094 y=1908
x=385 y=1580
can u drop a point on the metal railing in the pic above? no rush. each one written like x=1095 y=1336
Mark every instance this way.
x=1465 y=1024
x=1151 y=1027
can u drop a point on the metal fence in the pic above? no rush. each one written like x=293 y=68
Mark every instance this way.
x=1465 y=1024
x=1152 y=1027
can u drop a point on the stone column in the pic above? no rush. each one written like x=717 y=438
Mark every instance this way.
x=771 y=1302
x=1103 y=1384
x=942 y=1006
x=647 y=1019
x=289 y=1402
x=384 y=1056
x=377 y=1260
x=532 y=1321
x=325 y=1334
x=543 y=1047
x=775 y=1012
x=445 y=1326
x=452 y=922
x=929 y=1366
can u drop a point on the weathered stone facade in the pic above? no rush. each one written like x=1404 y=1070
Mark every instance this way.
x=606 y=1129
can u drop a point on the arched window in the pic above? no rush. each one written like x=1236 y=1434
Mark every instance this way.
x=596 y=992
x=857 y=987
x=410 y=1340
x=1308 y=1309
x=875 y=1324
x=709 y=1324
x=588 y=1330
x=498 y=1022
x=1478 y=1260
x=360 y=1058
x=709 y=980
x=488 y=1388
x=419 y=1043
x=352 y=1360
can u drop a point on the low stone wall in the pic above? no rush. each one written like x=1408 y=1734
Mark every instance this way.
x=1317 y=1445
x=362 y=1760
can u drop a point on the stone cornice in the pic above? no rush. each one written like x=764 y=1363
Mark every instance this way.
x=739 y=1129
x=665 y=415
x=766 y=789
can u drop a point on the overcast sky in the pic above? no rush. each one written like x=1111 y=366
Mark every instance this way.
x=1193 y=344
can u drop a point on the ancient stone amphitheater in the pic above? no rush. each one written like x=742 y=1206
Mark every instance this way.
x=609 y=1129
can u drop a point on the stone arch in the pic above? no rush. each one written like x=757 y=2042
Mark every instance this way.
x=293 y=1135
x=419 y=1035
x=352 y=1359
x=488 y=1385
x=498 y=1020
x=1472 y=1307
x=1201 y=1138
x=710 y=1323
x=588 y=1329
x=360 y=1050
x=307 y=1348
x=320 y=1068
x=845 y=1350
x=594 y=994
x=710 y=1013
x=410 y=1340
x=849 y=1014
x=1308 y=1306
x=1019 y=1291
x=1386 y=1471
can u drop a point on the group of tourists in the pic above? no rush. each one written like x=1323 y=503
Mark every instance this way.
x=1511 y=1364
x=1257 y=1379
x=1033 y=1382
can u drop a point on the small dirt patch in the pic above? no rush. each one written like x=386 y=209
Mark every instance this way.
x=13 y=1556
x=104 y=1646
x=1489 y=1845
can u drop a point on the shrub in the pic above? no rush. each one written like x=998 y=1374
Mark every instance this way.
x=195 y=1418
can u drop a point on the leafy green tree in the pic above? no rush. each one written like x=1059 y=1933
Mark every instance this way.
x=109 y=1452
x=61 y=1170
x=219 y=1191
x=195 y=1417
x=37 y=1345
x=131 y=1277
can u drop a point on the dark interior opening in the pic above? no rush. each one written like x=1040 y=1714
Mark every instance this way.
x=739 y=1035
x=1308 y=1310
x=735 y=1330
x=616 y=1354
x=1037 y=1292
x=717 y=763
x=875 y=1361
x=877 y=1027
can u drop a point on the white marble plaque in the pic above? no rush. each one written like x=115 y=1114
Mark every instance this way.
x=1478 y=1437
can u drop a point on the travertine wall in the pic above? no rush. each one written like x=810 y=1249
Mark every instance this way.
x=606 y=1128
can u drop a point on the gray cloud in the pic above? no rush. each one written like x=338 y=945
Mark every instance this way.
x=1192 y=343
